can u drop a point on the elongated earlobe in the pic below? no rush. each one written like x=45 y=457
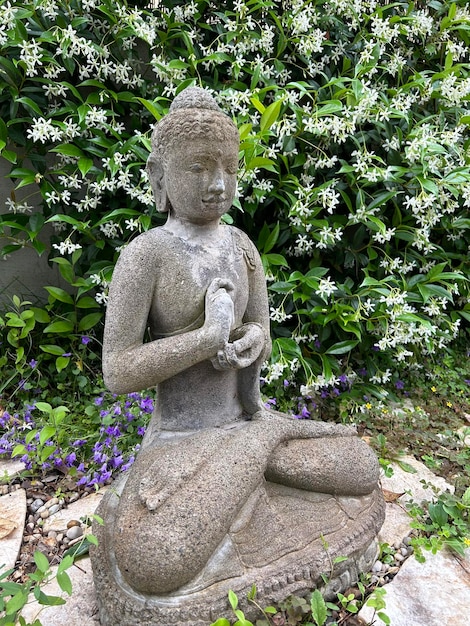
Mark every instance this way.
x=157 y=182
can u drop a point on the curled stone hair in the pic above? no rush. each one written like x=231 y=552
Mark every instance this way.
x=194 y=113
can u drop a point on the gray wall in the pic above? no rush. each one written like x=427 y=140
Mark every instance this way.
x=23 y=273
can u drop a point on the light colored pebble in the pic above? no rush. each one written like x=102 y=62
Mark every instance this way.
x=404 y=551
x=74 y=497
x=52 y=534
x=51 y=502
x=65 y=541
x=74 y=532
x=54 y=508
x=60 y=537
x=399 y=557
x=45 y=514
x=377 y=567
x=75 y=541
x=36 y=504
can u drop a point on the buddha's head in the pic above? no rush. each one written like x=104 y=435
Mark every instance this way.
x=193 y=164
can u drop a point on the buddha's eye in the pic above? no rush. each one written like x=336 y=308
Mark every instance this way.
x=197 y=168
x=231 y=168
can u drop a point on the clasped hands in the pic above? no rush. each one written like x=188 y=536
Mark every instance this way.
x=239 y=347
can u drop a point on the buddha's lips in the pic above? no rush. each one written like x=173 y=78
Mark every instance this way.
x=214 y=200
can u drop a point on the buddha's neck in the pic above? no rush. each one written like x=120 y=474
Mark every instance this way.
x=202 y=234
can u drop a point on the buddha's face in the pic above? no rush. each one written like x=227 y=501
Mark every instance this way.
x=200 y=178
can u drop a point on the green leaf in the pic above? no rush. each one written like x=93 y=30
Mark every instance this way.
x=69 y=149
x=59 y=294
x=271 y=240
x=90 y=321
x=41 y=561
x=342 y=347
x=52 y=349
x=18 y=450
x=150 y=106
x=437 y=514
x=64 y=582
x=270 y=114
x=84 y=165
x=222 y=621
x=87 y=302
x=232 y=598
x=46 y=600
x=318 y=608
x=64 y=326
x=16 y=603
x=466 y=497
x=44 y=407
x=46 y=453
x=46 y=433
x=406 y=467
x=328 y=107
x=61 y=363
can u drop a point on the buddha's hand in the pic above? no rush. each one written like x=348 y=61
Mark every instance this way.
x=292 y=428
x=245 y=345
x=219 y=311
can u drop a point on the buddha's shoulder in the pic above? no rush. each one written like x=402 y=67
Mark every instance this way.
x=248 y=248
x=149 y=243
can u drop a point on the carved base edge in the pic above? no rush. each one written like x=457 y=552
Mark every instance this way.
x=119 y=605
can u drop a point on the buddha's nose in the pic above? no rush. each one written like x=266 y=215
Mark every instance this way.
x=217 y=184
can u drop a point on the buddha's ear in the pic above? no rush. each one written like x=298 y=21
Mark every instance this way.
x=156 y=176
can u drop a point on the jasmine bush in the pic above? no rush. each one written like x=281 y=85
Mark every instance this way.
x=355 y=183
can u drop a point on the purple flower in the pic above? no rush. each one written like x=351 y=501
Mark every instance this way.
x=70 y=459
x=67 y=354
x=286 y=383
x=99 y=400
x=146 y=404
x=400 y=384
x=141 y=431
x=85 y=340
x=114 y=431
x=32 y=364
x=127 y=465
x=304 y=413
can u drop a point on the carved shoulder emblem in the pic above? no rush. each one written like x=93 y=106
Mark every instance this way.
x=246 y=247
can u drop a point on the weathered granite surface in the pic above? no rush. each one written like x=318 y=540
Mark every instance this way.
x=224 y=493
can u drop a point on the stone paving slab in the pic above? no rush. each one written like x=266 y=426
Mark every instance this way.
x=10 y=468
x=12 y=515
x=74 y=511
x=434 y=593
x=402 y=481
x=80 y=608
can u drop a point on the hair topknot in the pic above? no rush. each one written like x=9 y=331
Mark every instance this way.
x=193 y=113
x=194 y=98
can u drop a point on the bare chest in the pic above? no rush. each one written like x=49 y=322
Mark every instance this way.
x=184 y=273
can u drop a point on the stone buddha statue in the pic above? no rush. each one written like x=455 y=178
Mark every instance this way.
x=224 y=493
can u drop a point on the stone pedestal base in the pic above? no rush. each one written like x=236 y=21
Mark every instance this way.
x=283 y=541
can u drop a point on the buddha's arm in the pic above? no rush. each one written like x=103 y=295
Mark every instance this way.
x=129 y=364
x=257 y=311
